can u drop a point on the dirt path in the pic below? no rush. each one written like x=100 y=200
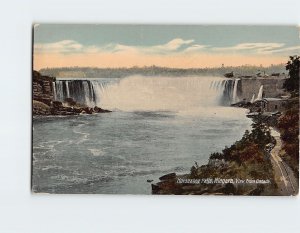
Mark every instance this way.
x=284 y=176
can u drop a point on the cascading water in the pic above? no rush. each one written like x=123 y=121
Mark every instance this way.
x=230 y=95
x=260 y=93
x=149 y=93
x=253 y=98
x=67 y=89
x=79 y=90
x=235 y=97
x=54 y=90
x=98 y=91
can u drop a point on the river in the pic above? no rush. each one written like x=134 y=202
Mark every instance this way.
x=158 y=125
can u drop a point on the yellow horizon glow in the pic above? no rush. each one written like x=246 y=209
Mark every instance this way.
x=116 y=60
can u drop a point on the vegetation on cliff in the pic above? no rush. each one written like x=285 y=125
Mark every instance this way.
x=288 y=123
x=247 y=158
x=293 y=67
x=246 y=161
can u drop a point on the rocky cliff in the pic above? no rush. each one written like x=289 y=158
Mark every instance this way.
x=42 y=88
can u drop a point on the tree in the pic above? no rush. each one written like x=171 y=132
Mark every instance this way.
x=292 y=84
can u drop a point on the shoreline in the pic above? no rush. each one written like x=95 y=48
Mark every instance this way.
x=210 y=184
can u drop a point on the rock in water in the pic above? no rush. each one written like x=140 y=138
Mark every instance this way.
x=168 y=176
x=100 y=110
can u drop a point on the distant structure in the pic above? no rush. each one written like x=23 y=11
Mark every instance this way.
x=270 y=105
x=229 y=75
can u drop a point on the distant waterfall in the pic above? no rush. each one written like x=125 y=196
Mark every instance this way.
x=98 y=91
x=54 y=90
x=234 y=94
x=79 y=90
x=260 y=93
x=230 y=91
x=253 y=98
x=138 y=92
x=67 y=88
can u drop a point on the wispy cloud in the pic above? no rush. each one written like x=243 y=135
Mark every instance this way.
x=71 y=46
x=291 y=50
x=173 y=47
x=260 y=48
x=196 y=48
x=64 y=46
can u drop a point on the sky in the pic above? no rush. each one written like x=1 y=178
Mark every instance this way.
x=179 y=46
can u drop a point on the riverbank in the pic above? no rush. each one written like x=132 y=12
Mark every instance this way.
x=241 y=169
x=248 y=167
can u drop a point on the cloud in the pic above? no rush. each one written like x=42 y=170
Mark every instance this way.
x=262 y=48
x=64 y=46
x=71 y=46
x=173 y=47
x=196 y=48
x=289 y=50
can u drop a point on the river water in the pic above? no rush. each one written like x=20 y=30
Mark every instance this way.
x=159 y=125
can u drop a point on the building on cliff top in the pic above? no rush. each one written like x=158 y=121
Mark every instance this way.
x=270 y=105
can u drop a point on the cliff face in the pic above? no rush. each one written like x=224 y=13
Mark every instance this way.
x=42 y=88
x=272 y=87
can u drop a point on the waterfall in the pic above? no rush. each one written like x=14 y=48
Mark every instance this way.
x=229 y=91
x=79 y=90
x=260 y=93
x=67 y=89
x=253 y=98
x=59 y=90
x=139 y=92
x=54 y=90
x=88 y=95
x=234 y=97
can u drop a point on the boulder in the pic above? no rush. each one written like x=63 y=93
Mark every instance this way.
x=57 y=104
x=168 y=176
x=88 y=110
x=100 y=110
x=40 y=108
x=155 y=189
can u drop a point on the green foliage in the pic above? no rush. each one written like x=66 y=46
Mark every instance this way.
x=292 y=84
x=260 y=134
x=216 y=155
x=288 y=125
x=249 y=148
